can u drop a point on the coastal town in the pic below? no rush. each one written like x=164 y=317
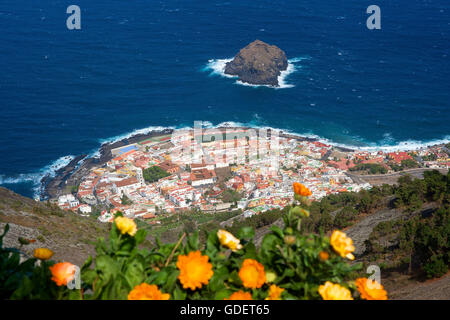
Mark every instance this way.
x=229 y=169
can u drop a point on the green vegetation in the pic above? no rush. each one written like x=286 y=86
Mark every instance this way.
x=430 y=157
x=420 y=242
x=172 y=224
x=298 y=265
x=371 y=168
x=345 y=217
x=154 y=173
x=405 y=164
x=258 y=221
x=229 y=195
x=346 y=207
x=411 y=194
x=125 y=200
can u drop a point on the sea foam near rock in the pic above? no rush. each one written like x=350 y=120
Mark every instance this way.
x=217 y=67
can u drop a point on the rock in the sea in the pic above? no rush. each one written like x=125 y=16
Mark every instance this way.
x=258 y=63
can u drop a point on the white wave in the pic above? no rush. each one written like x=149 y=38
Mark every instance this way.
x=217 y=67
x=36 y=177
x=231 y=124
x=128 y=135
x=387 y=144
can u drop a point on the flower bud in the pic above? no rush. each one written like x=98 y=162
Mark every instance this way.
x=289 y=240
x=270 y=276
x=288 y=230
x=323 y=255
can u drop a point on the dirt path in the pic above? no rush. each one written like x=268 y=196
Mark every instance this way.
x=435 y=289
x=360 y=231
x=390 y=178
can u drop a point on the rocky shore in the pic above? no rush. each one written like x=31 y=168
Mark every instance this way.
x=72 y=174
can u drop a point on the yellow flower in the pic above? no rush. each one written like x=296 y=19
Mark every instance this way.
x=240 y=295
x=126 y=225
x=195 y=270
x=370 y=289
x=252 y=274
x=146 y=291
x=43 y=253
x=275 y=293
x=331 y=291
x=62 y=273
x=323 y=255
x=342 y=244
x=301 y=190
x=228 y=240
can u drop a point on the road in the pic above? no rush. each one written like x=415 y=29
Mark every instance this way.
x=390 y=178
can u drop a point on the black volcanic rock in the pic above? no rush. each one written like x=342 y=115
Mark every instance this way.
x=258 y=63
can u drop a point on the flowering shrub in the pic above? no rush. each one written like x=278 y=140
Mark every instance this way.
x=287 y=265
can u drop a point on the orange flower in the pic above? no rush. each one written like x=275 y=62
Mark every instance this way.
x=240 y=295
x=43 y=253
x=301 y=190
x=323 y=255
x=331 y=291
x=342 y=244
x=252 y=274
x=275 y=293
x=146 y=291
x=62 y=273
x=370 y=289
x=195 y=270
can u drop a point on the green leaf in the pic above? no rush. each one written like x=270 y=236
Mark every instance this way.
x=250 y=251
x=87 y=263
x=192 y=242
x=267 y=247
x=140 y=236
x=75 y=295
x=217 y=281
x=246 y=233
x=212 y=244
x=222 y=294
x=159 y=278
x=127 y=244
x=23 y=291
x=88 y=276
x=106 y=267
x=277 y=231
x=5 y=230
x=171 y=280
x=134 y=272
x=179 y=294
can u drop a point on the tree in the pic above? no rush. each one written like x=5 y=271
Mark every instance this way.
x=154 y=173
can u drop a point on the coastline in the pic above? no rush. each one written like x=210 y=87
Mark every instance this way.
x=73 y=172
x=71 y=175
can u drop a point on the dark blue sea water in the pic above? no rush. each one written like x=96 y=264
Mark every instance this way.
x=138 y=64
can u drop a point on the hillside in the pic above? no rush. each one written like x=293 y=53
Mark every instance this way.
x=70 y=236
x=404 y=229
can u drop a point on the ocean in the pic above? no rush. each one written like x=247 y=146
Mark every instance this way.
x=140 y=65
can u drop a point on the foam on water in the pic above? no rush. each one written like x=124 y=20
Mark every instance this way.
x=387 y=144
x=217 y=67
x=36 y=177
x=128 y=135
